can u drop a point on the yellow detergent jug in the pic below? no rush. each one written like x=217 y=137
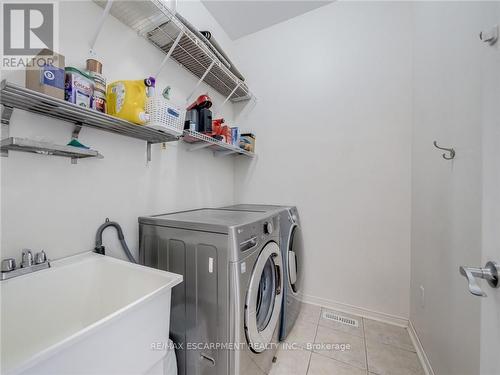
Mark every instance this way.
x=127 y=99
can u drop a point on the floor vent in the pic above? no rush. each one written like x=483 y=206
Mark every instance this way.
x=340 y=319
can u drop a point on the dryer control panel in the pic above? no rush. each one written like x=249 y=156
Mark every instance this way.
x=250 y=236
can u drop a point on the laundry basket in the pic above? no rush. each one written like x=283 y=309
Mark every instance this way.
x=165 y=116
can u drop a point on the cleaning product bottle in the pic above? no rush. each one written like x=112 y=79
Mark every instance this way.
x=127 y=99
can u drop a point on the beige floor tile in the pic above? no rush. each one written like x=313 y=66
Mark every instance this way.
x=321 y=365
x=309 y=313
x=291 y=362
x=388 y=360
x=357 y=331
x=302 y=334
x=388 y=334
x=331 y=339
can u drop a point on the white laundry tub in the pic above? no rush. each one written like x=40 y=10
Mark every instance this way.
x=87 y=314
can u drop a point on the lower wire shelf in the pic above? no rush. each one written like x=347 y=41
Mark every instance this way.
x=46 y=148
x=200 y=140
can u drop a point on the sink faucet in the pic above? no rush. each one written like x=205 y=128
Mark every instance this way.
x=26 y=258
x=9 y=269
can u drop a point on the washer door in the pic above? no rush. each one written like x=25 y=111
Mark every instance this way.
x=263 y=303
x=294 y=255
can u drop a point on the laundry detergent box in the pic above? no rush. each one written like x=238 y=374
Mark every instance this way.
x=46 y=74
x=78 y=88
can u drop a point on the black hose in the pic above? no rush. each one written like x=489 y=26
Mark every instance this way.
x=99 y=248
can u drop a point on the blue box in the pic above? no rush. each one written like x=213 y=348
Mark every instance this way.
x=235 y=136
x=52 y=76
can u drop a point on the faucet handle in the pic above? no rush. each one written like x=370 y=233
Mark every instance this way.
x=8 y=264
x=27 y=258
x=40 y=257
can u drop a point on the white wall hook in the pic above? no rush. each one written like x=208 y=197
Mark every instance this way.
x=490 y=36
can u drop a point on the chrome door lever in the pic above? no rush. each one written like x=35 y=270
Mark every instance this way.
x=490 y=273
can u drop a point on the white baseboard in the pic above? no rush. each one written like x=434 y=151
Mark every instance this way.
x=349 y=309
x=424 y=360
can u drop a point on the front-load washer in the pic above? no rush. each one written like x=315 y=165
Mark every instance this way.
x=292 y=253
x=225 y=317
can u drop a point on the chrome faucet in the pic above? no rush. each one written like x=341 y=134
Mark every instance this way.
x=26 y=258
x=9 y=269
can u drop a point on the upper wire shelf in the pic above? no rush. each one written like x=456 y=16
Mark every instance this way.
x=154 y=21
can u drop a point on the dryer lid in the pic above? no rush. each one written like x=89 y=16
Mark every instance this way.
x=207 y=219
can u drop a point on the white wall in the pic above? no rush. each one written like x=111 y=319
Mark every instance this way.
x=490 y=307
x=333 y=125
x=51 y=204
x=446 y=195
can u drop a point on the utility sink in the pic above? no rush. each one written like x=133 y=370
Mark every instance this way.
x=87 y=314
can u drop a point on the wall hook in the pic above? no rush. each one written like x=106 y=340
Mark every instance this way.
x=450 y=150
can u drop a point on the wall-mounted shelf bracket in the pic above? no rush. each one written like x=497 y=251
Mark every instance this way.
x=164 y=61
x=100 y=25
x=227 y=98
x=6 y=114
x=76 y=131
x=148 y=151
x=200 y=81
x=5 y=133
x=74 y=135
x=231 y=94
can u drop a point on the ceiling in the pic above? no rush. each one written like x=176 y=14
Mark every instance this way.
x=241 y=17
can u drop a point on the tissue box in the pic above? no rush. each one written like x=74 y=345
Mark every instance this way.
x=47 y=74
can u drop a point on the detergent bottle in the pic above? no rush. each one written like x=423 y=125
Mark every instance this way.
x=127 y=99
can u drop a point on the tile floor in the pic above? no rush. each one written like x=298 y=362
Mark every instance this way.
x=318 y=346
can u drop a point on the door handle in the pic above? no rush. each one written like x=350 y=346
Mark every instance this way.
x=277 y=272
x=277 y=276
x=490 y=273
x=248 y=244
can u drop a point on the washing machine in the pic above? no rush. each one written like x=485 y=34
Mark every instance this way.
x=225 y=316
x=292 y=253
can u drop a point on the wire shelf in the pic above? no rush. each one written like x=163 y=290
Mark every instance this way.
x=158 y=24
x=46 y=148
x=204 y=141
x=19 y=97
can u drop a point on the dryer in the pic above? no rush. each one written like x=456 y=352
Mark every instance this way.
x=292 y=253
x=226 y=314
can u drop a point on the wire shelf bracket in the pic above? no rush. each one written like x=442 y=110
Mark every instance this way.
x=170 y=51
x=199 y=82
x=100 y=25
